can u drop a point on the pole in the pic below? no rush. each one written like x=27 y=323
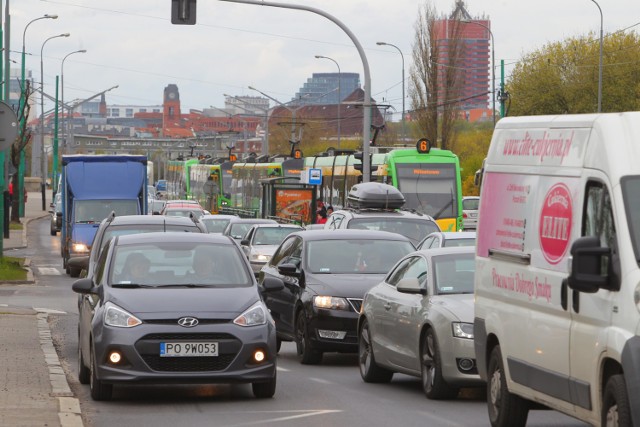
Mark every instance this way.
x=3 y=214
x=404 y=135
x=502 y=97
x=600 y=63
x=339 y=94
x=54 y=160
x=366 y=122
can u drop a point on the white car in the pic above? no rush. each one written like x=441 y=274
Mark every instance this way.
x=470 y=212
x=262 y=240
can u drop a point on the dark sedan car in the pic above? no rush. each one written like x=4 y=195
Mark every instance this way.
x=325 y=276
x=174 y=308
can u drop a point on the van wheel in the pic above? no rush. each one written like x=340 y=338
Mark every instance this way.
x=615 y=404
x=433 y=384
x=505 y=409
x=370 y=371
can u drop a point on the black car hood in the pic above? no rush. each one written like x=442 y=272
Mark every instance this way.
x=151 y=303
x=342 y=285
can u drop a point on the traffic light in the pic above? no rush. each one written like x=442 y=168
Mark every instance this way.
x=183 y=12
x=359 y=155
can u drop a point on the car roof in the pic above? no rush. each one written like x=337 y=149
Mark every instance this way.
x=173 y=237
x=254 y=220
x=454 y=234
x=277 y=225
x=150 y=219
x=389 y=213
x=343 y=234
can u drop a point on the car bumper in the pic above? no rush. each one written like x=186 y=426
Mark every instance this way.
x=142 y=362
x=334 y=320
x=454 y=353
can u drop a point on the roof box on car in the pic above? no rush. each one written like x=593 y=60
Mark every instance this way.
x=375 y=195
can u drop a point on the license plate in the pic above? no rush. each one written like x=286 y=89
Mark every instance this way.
x=188 y=349
x=473 y=215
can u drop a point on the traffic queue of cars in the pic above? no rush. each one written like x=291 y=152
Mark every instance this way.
x=161 y=305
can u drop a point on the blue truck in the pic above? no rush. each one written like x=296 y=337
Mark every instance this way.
x=93 y=186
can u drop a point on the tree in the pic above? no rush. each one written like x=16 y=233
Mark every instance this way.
x=435 y=80
x=21 y=142
x=562 y=77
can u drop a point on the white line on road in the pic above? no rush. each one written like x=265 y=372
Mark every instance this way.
x=49 y=271
x=305 y=414
x=320 y=380
x=49 y=311
x=282 y=369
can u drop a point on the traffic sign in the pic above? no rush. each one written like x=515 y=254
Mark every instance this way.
x=8 y=126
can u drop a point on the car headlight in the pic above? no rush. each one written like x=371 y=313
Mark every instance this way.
x=260 y=257
x=463 y=330
x=333 y=303
x=80 y=248
x=253 y=316
x=118 y=317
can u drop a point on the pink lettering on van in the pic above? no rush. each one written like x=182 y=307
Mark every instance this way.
x=555 y=223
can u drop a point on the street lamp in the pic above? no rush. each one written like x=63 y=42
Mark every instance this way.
x=403 y=110
x=23 y=102
x=600 y=64
x=339 y=95
x=42 y=152
x=493 y=66
x=54 y=181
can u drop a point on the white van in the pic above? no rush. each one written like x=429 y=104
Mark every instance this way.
x=557 y=280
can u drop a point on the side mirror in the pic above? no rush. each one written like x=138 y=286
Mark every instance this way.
x=590 y=263
x=244 y=242
x=272 y=284
x=84 y=286
x=79 y=262
x=288 y=270
x=410 y=285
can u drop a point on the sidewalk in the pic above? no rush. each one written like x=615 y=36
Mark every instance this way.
x=33 y=386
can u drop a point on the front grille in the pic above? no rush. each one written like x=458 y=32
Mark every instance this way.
x=356 y=304
x=188 y=364
x=175 y=321
x=189 y=337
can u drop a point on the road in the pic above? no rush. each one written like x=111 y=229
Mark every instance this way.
x=329 y=394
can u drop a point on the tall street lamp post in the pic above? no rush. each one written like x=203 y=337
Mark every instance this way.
x=339 y=94
x=64 y=144
x=23 y=102
x=43 y=161
x=493 y=67
x=404 y=135
x=600 y=63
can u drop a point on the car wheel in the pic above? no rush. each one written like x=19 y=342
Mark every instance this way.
x=74 y=272
x=433 y=383
x=99 y=390
x=264 y=390
x=615 y=404
x=505 y=409
x=53 y=230
x=84 y=373
x=308 y=356
x=370 y=371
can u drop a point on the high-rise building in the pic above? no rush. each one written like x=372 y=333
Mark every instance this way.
x=322 y=88
x=473 y=63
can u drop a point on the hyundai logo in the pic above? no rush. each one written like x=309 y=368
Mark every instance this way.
x=187 y=322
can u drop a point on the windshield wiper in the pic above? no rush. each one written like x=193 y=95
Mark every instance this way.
x=130 y=285
x=185 y=285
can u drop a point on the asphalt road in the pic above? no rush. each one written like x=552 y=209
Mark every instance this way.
x=329 y=394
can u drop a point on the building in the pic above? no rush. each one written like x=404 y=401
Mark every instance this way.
x=322 y=88
x=474 y=64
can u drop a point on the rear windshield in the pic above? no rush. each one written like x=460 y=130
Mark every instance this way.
x=470 y=204
x=213 y=224
x=355 y=256
x=121 y=230
x=414 y=229
x=272 y=235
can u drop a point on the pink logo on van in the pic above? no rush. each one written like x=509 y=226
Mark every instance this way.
x=555 y=223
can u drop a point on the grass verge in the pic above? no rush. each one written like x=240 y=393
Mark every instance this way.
x=11 y=269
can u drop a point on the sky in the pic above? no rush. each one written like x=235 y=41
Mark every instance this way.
x=132 y=43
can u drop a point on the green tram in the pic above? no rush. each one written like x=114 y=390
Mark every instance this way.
x=221 y=173
x=428 y=178
x=178 y=179
x=246 y=189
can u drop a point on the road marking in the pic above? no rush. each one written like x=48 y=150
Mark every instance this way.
x=282 y=369
x=319 y=380
x=48 y=271
x=49 y=311
x=304 y=414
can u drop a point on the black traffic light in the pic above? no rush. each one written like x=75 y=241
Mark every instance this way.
x=359 y=155
x=183 y=12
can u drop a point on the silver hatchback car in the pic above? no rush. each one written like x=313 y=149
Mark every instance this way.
x=419 y=321
x=470 y=212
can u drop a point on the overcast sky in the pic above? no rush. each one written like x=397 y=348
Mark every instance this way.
x=132 y=43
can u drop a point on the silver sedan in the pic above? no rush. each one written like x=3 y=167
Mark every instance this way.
x=419 y=321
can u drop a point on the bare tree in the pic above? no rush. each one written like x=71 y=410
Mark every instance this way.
x=21 y=142
x=435 y=77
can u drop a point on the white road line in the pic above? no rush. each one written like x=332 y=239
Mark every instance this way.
x=48 y=271
x=320 y=380
x=282 y=369
x=304 y=414
x=49 y=311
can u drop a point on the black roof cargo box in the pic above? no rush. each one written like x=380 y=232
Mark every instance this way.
x=375 y=195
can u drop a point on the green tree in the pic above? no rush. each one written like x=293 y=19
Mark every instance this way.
x=562 y=77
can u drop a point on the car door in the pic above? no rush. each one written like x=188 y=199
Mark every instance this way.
x=281 y=303
x=405 y=318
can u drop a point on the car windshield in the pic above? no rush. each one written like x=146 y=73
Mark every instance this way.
x=272 y=235
x=453 y=273
x=239 y=229
x=179 y=264
x=414 y=229
x=213 y=224
x=156 y=205
x=184 y=212
x=90 y=211
x=459 y=242
x=355 y=255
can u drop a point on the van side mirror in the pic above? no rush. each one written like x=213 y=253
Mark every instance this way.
x=589 y=266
